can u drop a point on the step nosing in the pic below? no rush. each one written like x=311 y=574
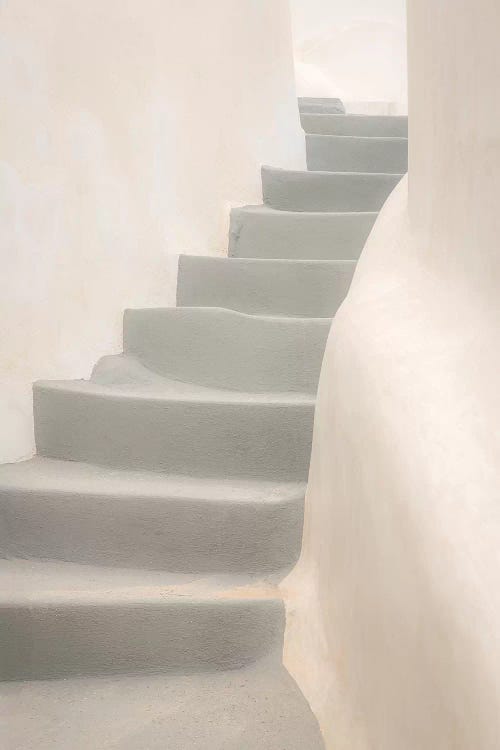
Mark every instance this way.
x=277 y=261
x=114 y=392
x=128 y=601
x=62 y=478
x=265 y=209
x=309 y=172
x=370 y=138
x=229 y=312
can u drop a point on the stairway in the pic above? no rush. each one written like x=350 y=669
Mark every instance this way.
x=143 y=545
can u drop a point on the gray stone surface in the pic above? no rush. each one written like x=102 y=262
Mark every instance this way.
x=349 y=153
x=265 y=232
x=142 y=547
x=75 y=512
x=228 y=349
x=174 y=427
x=62 y=619
x=383 y=126
x=291 y=190
x=246 y=709
x=321 y=104
x=312 y=288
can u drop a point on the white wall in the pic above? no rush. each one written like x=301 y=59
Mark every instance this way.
x=128 y=128
x=394 y=609
x=354 y=49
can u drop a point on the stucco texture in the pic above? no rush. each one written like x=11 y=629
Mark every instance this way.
x=394 y=607
x=129 y=128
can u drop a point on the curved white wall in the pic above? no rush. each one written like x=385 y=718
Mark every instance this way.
x=128 y=129
x=354 y=49
x=394 y=608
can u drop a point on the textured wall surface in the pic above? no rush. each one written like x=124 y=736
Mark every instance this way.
x=128 y=130
x=394 y=608
x=355 y=49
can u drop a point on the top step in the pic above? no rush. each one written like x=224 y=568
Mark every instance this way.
x=310 y=104
x=381 y=126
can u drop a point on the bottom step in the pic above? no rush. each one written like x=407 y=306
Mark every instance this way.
x=60 y=619
x=257 y=707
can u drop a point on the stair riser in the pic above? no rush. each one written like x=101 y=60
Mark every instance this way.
x=351 y=154
x=268 y=441
x=49 y=641
x=221 y=349
x=281 y=234
x=359 y=125
x=182 y=536
x=264 y=287
x=326 y=191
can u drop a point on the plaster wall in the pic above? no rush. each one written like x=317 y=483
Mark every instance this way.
x=354 y=49
x=128 y=130
x=394 y=608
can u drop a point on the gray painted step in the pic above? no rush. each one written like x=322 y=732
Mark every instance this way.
x=74 y=512
x=290 y=190
x=304 y=288
x=222 y=348
x=342 y=153
x=383 y=126
x=256 y=707
x=321 y=104
x=59 y=619
x=173 y=427
x=175 y=477
x=264 y=232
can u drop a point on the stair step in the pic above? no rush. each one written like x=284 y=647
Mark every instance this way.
x=134 y=419
x=61 y=619
x=76 y=512
x=265 y=232
x=221 y=348
x=256 y=707
x=321 y=104
x=346 y=153
x=382 y=126
x=304 y=288
x=291 y=190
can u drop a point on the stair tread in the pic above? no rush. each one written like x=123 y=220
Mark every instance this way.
x=165 y=389
x=258 y=706
x=41 y=474
x=41 y=583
